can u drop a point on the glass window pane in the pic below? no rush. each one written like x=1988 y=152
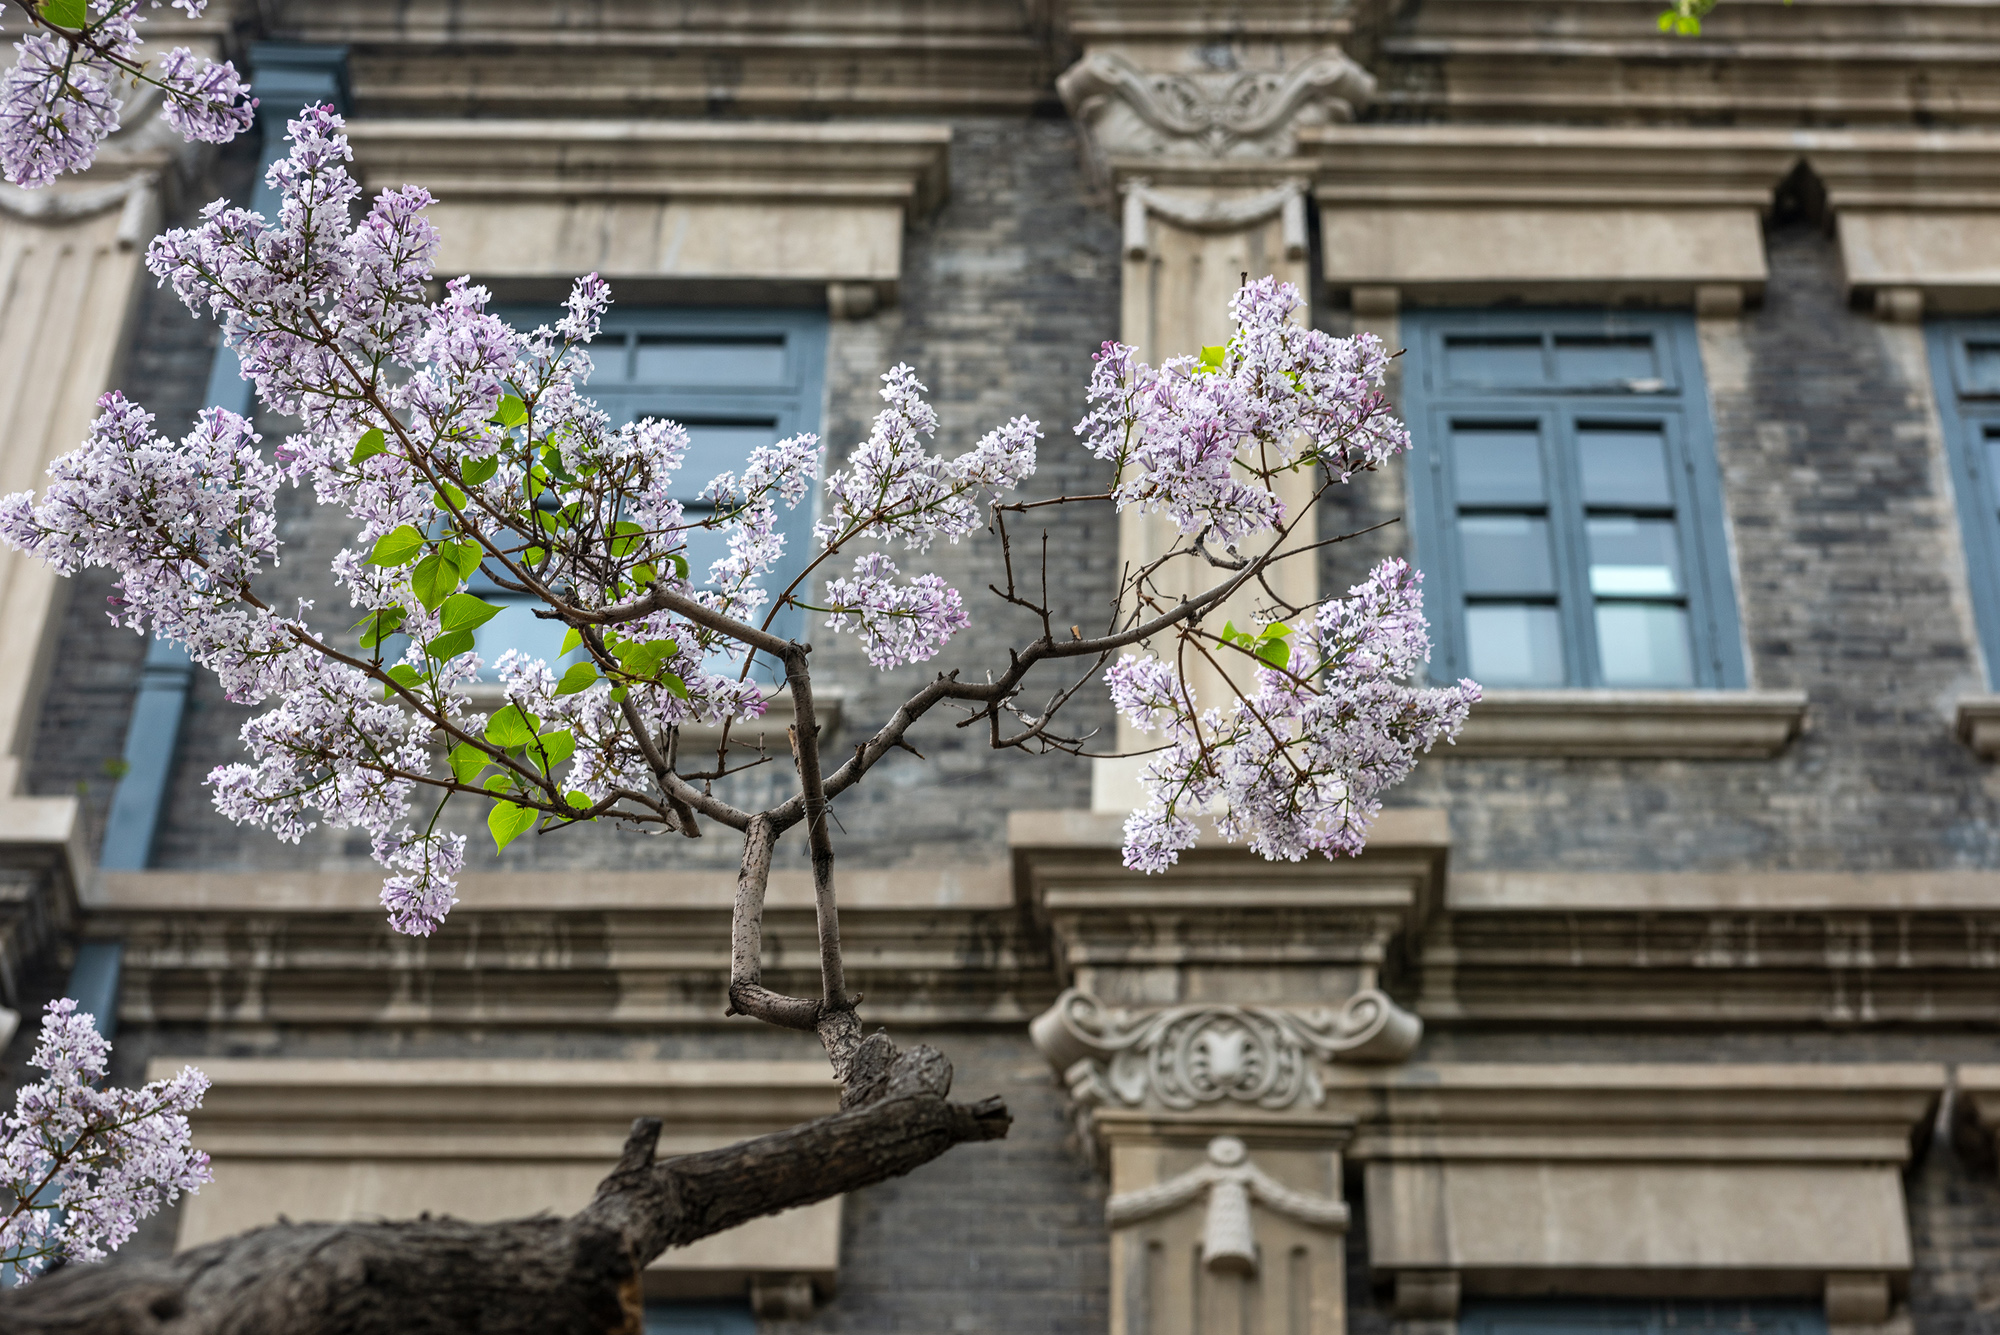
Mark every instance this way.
x=1510 y=360
x=517 y=627
x=672 y=359
x=1627 y=360
x=610 y=360
x=715 y=448
x=1515 y=644
x=1982 y=367
x=1992 y=443
x=1644 y=644
x=1506 y=554
x=1624 y=466
x=1497 y=465
x=1634 y=557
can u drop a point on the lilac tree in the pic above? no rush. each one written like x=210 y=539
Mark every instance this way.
x=455 y=445
x=77 y=66
x=82 y=1164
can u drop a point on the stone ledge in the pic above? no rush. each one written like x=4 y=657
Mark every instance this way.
x=1685 y=725
x=1979 y=724
x=358 y=1139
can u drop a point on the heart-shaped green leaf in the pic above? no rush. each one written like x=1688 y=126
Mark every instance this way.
x=449 y=645
x=580 y=677
x=556 y=747
x=372 y=443
x=379 y=626
x=476 y=471
x=511 y=412
x=510 y=728
x=465 y=611
x=466 y=762
x=433 y=579
x=397 y=547
x=65 y=13
x=509 y=822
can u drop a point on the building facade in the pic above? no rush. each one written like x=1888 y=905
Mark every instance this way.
x=1668 y=998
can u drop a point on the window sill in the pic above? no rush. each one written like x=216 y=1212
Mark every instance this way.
x=1684 y=725
x=766 y=733
x=1979 y=725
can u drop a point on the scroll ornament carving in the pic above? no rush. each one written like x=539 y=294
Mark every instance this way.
x=1230 y=1180
x=1225 y=114
x=1186 y=1056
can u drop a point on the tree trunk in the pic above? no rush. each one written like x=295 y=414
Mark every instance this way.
x=540 y=1276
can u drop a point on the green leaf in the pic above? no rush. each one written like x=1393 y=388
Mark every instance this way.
x=578 y=801
x=511 y=412
x=404 y=675
x=674 y=684
x=644 y=660
x=625 y=536
x=551 y=521
x=556 y=747
x=449 y=645
x=510 y=728
x=643 y=575
x=466 y=762
x=680 y=565
x=433 y=579
x=476 y=471
x=448 y=492
x=509 y=822
x=380 y=625
x=1211 y=359
x=1275 y=652
x=65 y=13
x=580 y=677
x=464 y=557
x=465 y=611
x=397 y=547
x=572 y=639
x=534 y=556
x=1277 y=630
x=498 y=783
x=372 y=443
x=618 y=695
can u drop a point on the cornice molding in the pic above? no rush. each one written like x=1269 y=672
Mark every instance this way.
x=1590 y=724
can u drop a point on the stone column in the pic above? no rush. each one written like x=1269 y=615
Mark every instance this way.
x=1195 y=134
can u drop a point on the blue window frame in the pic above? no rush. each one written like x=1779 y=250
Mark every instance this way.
x=735 y=378
x=1586 y=1316
x=1567 y=513
x=1965 y=369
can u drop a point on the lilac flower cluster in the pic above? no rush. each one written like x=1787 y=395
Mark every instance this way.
x=63 y=97
x=895 y=490
x=1294 y=764
x=81 y=1164
x=1200 y=439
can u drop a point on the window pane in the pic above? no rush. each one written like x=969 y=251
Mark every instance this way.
x=1634 y=557
x=1515 y=644
x=715 y=448
x=671 y=359
x=1624 y=466
x=517 y=627
x=1498 y=465
x=1513 y=360
x=1993 y=461
x=610 y=360
x=1982 y=367
x=1644 y=644
x=1627 y=360
x=1506 y=554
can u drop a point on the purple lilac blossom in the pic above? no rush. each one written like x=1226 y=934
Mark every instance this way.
x=61 y=99
x=83 y=1163
x=1298 y=764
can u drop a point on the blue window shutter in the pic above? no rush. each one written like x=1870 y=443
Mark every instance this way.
x=1965 y=372
x=1565 y=502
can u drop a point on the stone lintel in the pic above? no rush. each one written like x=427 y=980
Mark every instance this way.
x=1979 y=724
x=1737 y=725
x=359 y=1139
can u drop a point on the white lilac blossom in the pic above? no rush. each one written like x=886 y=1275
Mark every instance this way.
x=1295 y=764
x=81 y=1163
x=1202 y=438
x=898 y=623
x=64 y=94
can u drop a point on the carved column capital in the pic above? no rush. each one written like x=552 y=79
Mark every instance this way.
x=1208 y=115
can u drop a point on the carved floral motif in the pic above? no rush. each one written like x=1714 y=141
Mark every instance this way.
x=1185 y=1056
x=1225 y=114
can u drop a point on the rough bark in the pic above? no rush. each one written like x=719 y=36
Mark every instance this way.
x=539 y=1276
